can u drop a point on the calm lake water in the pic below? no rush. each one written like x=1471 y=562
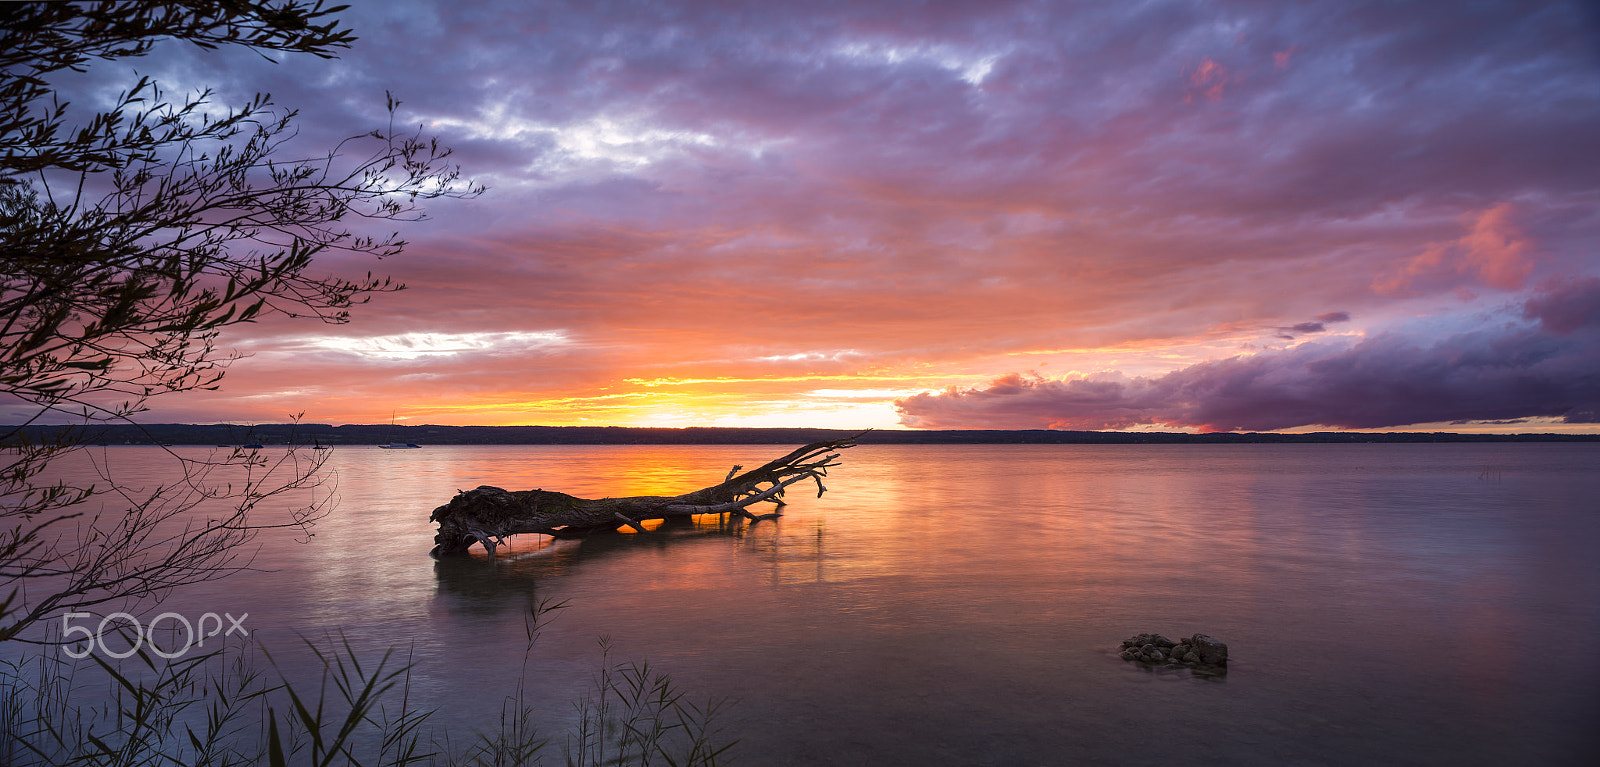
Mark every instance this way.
x=963 y=605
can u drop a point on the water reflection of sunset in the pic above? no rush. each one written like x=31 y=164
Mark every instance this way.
x=940 y=594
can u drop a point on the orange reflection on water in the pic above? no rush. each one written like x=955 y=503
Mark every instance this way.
x=935 y=586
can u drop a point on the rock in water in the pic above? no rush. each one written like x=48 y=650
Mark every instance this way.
x=1200 y=652
x=1210 y=650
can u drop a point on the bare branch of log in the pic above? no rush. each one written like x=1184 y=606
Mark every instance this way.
x=630 y=523
x=489 y=515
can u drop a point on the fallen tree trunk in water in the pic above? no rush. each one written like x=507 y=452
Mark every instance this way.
x=488 y=515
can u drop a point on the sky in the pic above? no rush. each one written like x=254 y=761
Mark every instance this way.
x=1193 y=216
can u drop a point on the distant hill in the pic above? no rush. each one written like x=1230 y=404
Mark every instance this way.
x=313 y=433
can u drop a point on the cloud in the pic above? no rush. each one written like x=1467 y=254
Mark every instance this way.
x=738 y=191
x=1318 y=326
x=1494 y=252
x=1566 y=306
x=1510 y=371
x=1209 y=79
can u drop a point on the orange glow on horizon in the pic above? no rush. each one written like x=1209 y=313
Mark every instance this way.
x=859 y=399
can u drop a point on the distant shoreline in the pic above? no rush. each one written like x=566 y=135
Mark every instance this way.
x=425 y=435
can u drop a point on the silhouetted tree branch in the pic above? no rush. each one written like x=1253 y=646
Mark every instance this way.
x=129 y=239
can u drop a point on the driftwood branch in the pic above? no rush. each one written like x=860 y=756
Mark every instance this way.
x=488 y=515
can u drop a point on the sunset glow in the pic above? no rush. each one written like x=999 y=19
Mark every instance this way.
x=1178 y=215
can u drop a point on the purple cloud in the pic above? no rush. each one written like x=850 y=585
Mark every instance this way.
x=1320 y=324
x=1566 y=306
x=696 y=189
x=1394 y=379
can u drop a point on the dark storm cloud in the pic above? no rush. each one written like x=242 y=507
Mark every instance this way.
x=1496 y=374
x=1566 y=306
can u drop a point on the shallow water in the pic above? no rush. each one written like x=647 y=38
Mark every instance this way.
x=1396 y=604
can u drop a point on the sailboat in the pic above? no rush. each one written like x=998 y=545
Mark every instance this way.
x=397 y=445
